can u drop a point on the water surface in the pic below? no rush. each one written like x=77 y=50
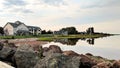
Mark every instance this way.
x=107 y=47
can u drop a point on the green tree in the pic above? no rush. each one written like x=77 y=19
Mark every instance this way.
x=1 y=30
x=70 y=30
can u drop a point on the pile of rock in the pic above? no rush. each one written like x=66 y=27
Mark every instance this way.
x=27 y=56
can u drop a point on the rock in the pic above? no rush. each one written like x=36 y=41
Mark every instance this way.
x=7 y=51
x=55 y=49
x=86 y=62
x=102 y=65
x=45 y=49
x=116 y=64
x=51 y=49
x=1 y=45
x=26 y=57
x=70 y=53
x=4 y=65
x=57 y=60
x=89 y=54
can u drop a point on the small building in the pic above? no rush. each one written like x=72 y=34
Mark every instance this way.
x=19 y=28
x=61 y=32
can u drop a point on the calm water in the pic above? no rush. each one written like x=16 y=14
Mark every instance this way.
x=107 y=47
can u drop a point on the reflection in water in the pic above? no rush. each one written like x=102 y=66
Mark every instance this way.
x=70 y=41
x=73 y=41
x=91 y=41
x=104 y=47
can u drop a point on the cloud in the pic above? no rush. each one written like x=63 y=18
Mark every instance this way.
x=54 y=2
x=16 y=6
x=99 y=3
x=22 y=10
x=56 y=12
x=14 y=2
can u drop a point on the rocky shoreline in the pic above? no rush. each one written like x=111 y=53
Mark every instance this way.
x=35 y=56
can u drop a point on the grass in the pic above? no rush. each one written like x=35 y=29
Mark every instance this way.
x=51 y=37
x=46 y=39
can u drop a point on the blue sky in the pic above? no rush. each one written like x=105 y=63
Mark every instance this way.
x=104 y=15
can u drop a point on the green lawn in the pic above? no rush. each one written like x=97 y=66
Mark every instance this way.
x=50 y=37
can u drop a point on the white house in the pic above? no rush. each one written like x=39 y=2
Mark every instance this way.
x=19 y=28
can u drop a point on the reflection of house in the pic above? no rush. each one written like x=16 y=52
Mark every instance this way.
x=19 y=28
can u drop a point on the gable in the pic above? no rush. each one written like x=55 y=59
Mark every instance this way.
x=22 y=27
x=8 y=26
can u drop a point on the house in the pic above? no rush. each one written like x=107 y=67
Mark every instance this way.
x=66 y=31
x=61 y=32
x=19 y=28
x=34 y=30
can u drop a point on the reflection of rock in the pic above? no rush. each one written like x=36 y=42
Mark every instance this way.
x=58 y=60
x=68 y=41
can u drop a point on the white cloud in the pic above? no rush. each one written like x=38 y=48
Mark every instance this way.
x=60 y=12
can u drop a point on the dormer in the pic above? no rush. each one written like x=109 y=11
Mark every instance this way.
x=18 y=22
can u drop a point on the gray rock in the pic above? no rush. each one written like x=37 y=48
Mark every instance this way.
x=51 y=49
x=26 y=57
x=7 y=51
x=102 y=65
x=57 y=60
x=116 y=64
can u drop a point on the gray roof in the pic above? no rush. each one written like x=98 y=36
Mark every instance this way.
x=33 y=27
x=16 y=24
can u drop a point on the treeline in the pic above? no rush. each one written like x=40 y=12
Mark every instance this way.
x=1 y=31
x=47 y=32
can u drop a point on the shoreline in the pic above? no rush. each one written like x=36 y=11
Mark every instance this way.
x=34 y=56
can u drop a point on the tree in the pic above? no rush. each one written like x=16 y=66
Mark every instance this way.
x=49 y=32
x=70 y=30
x=43 y=31
x=1 y=30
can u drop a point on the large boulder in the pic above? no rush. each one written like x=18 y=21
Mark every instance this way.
x=86 y=62
x=7 y=51
x=103 y=65
x=1 y=45
x=26 y=57
x=116 y=64
x=51 y=49
x=57 y=60
x=70 y=53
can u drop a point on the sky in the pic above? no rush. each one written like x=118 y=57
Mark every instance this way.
x=103 y=15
